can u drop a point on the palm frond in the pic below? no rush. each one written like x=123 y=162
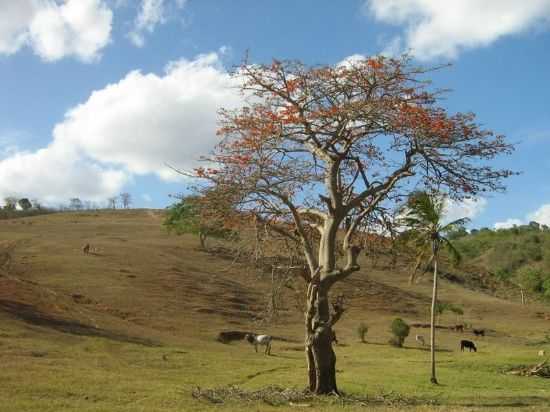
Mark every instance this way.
x=454 y=225
x=456 y=257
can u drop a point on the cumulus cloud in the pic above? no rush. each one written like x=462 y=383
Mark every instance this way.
x=470 y=208
x=541 y=215
x=146 y=121
x=56 y=173
x=507 y=224
x=54 y=29
x=133 y=127
x=435 y=28
x=351 y=60
x=150 y=15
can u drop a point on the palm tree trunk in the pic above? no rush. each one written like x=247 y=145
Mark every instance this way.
x=433 y=379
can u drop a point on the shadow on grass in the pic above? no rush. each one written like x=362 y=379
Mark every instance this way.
x=426 y=349
x=33 y=316
x=521 y=402
x=419 y=348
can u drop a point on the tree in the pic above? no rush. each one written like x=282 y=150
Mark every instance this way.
x=400 y=330
x=10 y=203
x=424 y=214
x=125 y=200
x=189 y=216
x=112 y=202
x=75 y=204
x=317 y=152
x=24 y=203
x=36 y=204
x=362 y=330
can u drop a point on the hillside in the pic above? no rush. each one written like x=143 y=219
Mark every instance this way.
x=133 y=324
x=518 y=256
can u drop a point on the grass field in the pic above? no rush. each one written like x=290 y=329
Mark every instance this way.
x=132 y=327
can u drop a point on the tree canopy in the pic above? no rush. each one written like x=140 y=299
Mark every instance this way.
x=319 y=151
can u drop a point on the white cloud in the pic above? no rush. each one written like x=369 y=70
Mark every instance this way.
x=56 y=173
x=147 y=198
x=469 y=208
x=150 y=15
x=541 y=215
x=394 y=47
x=435 y=28
x=146 y=121
x=351 y=60
x=55 y=29
x=507 y=224
x=133 y=127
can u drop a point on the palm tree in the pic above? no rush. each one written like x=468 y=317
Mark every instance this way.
x=424 y=217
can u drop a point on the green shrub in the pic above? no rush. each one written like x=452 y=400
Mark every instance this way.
x=362 y=330
x=400 y=330
x=532 y=279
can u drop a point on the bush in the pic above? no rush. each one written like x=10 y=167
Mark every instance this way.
x=395 y=342
x=400 y=330
x=532 y=279
x=362 y=330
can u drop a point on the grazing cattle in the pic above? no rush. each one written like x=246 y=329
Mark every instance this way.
x=264 y=340
x=467 y=344
x=86 y=249
x=479 y=332
x=420 y=339
x=459 y=328
x=541 y=352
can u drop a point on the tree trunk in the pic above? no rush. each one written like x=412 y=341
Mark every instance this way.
x=320 y=356
x=522 y=296
x=202 y=239
x=433 y=379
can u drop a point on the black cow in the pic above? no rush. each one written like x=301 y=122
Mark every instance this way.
x=467 y=344
x=479 y=332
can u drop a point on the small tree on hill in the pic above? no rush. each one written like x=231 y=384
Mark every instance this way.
x=319 y=150
x=75 y=204
x=36 y=204
x=112 y=202
x=362 y=330
x=10 y=203
x=190 y=216
x=400 y=330
x=25 y=203
x=125 y=200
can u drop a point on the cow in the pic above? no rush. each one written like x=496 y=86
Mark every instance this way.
x=263 y=340
x=479 y=332
x=467 y=344
x=420 y=339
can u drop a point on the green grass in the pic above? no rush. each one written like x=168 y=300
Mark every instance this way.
x=146 y=284
x=94 y=374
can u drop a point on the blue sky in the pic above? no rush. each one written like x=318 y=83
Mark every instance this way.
x=99 y=95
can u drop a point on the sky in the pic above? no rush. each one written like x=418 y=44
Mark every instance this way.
x=100 y=97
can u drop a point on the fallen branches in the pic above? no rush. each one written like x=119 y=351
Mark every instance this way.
x=541 y=369
x=279 y=396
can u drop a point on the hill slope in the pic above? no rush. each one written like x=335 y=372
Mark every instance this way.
x=134 y=323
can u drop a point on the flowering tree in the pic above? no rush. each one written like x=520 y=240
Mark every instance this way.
x=316 y=151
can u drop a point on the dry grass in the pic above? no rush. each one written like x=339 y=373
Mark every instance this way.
x=132 y=327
